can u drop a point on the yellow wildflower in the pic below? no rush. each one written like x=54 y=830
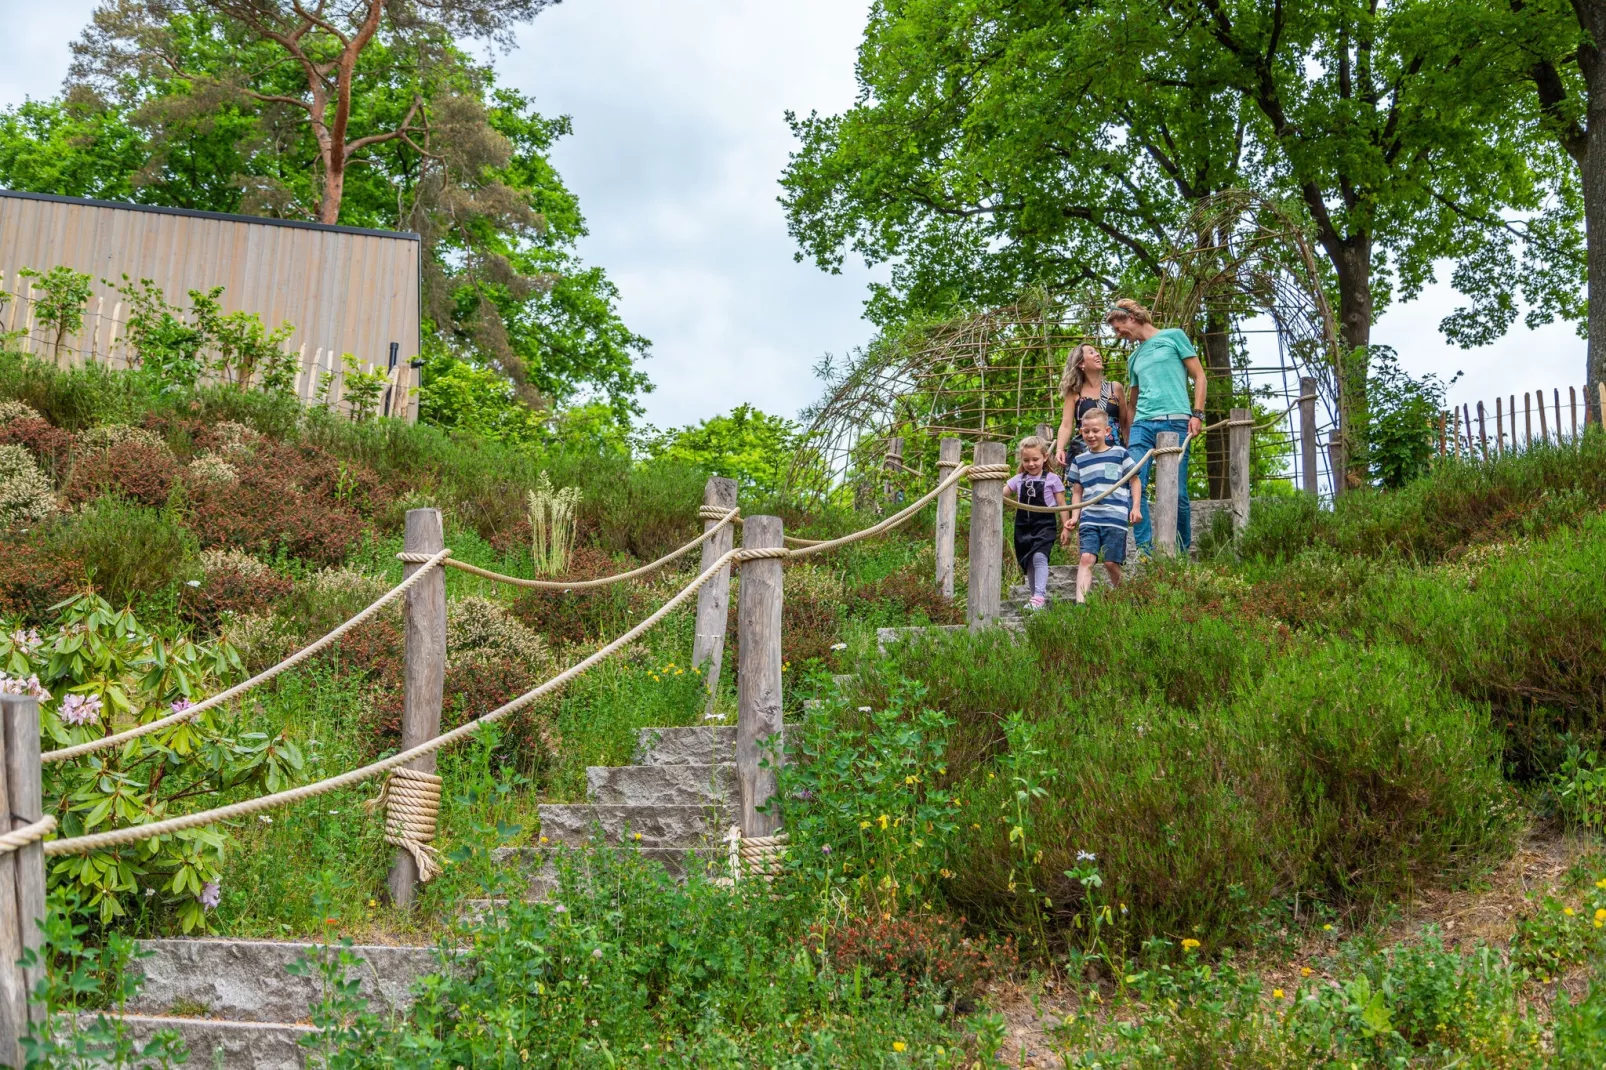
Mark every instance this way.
x=1327 y=928
x=1567 y=911
x=1600 y=913
x=1189 y=944
x=1304 y=971
x=882 y=821
x=1276 y=993
x=898 y=1045
x=908 y=780
x=864 y=824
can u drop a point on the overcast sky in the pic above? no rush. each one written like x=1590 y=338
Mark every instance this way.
x=679 y=140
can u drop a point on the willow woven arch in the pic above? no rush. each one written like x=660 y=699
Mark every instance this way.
x=1241 y=256
x=985 y=376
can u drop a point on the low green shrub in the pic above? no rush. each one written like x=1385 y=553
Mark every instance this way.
x=130 y=552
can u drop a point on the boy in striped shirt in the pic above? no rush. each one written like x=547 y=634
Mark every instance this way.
x=1103 y=524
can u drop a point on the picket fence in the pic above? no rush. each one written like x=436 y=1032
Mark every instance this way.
x=1477 y=430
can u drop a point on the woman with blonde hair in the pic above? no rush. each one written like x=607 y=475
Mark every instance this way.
x=1083 y=388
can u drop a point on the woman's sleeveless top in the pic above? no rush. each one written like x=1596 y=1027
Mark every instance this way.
x=1112 y=409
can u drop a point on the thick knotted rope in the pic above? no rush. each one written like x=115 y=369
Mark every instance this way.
x=33 y=832
x=412 y=802
x=990 y=471
x=755 y=856
x=189 y=713
x=725 y=516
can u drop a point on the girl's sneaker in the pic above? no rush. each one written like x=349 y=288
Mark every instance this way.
x=1037 y=602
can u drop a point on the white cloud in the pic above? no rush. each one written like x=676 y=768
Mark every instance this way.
x=678 y=143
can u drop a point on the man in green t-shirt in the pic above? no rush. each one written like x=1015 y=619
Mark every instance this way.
x=1157 y=400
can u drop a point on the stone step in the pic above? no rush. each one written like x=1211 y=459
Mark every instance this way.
x=658 y=826
x=661 y=785
x=226 y=1044
x=702 y=745
x=250 y=980
x=538 y=865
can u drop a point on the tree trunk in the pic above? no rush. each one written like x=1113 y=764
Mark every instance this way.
x=1353 y=265
x=334 y=188
x=1592 y=61
x=1218 y=402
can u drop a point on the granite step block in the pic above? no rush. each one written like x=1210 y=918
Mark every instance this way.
x=661 y=785
x=228 y=1045
x=658 y=826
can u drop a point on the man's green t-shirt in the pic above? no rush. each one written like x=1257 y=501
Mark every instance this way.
x=1156 y=370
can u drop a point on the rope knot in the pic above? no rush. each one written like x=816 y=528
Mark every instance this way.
x=756 y=856
x=980 y=472
x=412 y=803
x=714 y=512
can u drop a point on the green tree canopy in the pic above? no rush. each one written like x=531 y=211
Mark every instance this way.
x=749 y=446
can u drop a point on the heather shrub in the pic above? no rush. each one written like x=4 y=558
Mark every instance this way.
x=12 y=409
x=231 y=584
x=129 y=551
x=211 y=468
x=482 y=631
x=110 y=436
x=25 y=494
x=35 y=574
x=51 y=446
x=922 y=952
x=140 y=469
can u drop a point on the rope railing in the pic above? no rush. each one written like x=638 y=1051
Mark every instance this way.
x=135 y=833
x=724 y=516
x=189 y=713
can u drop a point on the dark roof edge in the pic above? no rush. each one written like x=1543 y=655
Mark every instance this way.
x=403 y=235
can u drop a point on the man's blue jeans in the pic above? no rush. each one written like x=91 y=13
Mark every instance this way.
x=1144 y=433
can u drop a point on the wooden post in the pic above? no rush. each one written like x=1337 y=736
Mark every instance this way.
x=1555 y=397
x=1499 y=426
x=1238 y=466
x=13 y=986
x=1307 y=433
x=758 y=671
x=1483 y=434
x=1467 y=412
x=948 y=458
x=1046 y=433
x=1166 y=495
x=714 y=600
x=1335 y=455
x=1544 y=424
x=424 y=608
x=1601 y=387
x=986 y=539
x=1442 y=419
x=893 y=465
x=1572 y=403
x=19 y=715
x=1527 y=421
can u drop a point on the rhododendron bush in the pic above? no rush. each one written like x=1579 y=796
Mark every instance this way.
x=98 y=671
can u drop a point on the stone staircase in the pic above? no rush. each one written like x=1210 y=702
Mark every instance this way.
x=237 y=1006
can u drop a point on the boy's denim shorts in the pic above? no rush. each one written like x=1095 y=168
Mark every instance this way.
x=1112 y=541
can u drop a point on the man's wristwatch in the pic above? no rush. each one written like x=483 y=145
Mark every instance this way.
x=1198 y=414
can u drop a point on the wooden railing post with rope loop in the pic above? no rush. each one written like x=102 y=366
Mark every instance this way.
x=411 y=796
x=987 y=476
x=758 y=667
x=948 y=458
x=1335 y=455
x=1167 y=498
x=1307 y=434
x=22 y=872
x=713 y=601
x=1240 y=428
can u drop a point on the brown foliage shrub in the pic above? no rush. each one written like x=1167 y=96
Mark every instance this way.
x=580 y=616
x=50 y=445
x=909 y=594
x=919 y=948
x=231 y=590
x=137 y=471
x=298 y=498
x=35 y=576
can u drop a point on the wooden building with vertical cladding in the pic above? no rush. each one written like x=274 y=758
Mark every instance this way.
x=345 y=289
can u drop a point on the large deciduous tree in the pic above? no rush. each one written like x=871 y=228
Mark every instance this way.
x=998 y=143
x=316 y=47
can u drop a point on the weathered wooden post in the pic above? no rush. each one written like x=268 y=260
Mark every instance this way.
x=1544 y=422
x=893 y=465
x=1572 y=403
x=1499 y=427
x=1238 y=439
x=714 y=600
x=1046 y=433
x=1163 y=520
x=1483 y=434
x=1527 y=421
x=1335 y=454
x=13 y=985
x=758 y=671
x=1601 y=387
x=25 y=788
x=948 y=457
x=1307 y=433
x=1555 y=397
x=986 y=534
x=424 y=607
